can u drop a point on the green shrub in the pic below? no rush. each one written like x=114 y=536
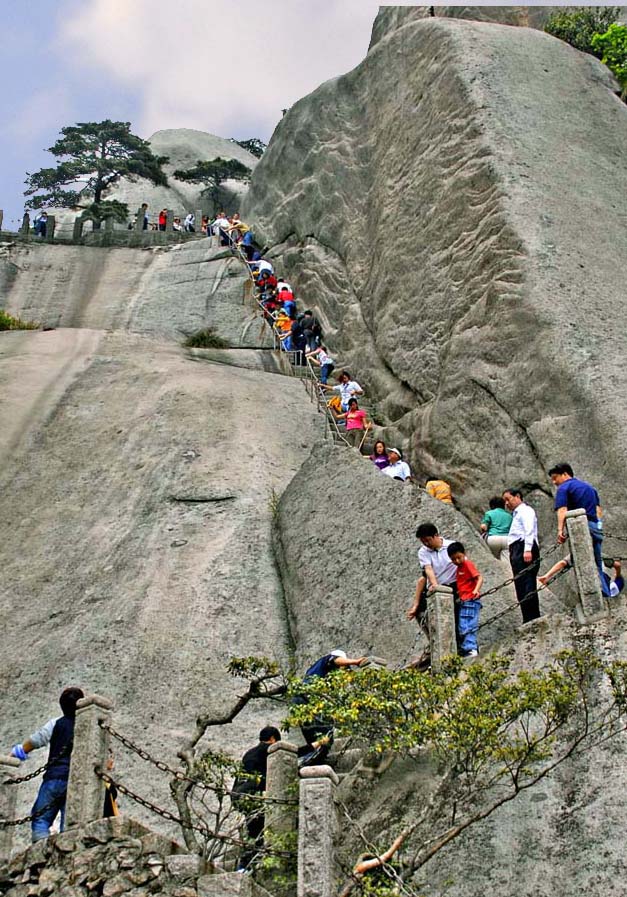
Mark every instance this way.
x=205 y=339
x=8 y=322
x=577 y=25
x=613 y=49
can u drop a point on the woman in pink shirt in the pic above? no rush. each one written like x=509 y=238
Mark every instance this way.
x=357 y=424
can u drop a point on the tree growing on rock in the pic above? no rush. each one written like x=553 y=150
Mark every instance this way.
x=492 y=733
x=578 y=25
x=212 y=173
x=613 y=49
x=254 y=145
x=90 y=158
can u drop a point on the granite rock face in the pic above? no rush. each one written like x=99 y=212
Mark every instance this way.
x=453 y=209
x=349 y=560
x=390 y=18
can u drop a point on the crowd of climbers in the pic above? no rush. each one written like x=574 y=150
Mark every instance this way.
x=509 y=527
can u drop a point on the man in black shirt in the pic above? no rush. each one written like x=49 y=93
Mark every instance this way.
x=253 y=781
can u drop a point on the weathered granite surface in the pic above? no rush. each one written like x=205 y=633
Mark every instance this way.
x=453 y=208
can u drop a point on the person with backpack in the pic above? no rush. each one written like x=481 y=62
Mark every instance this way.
x=312 y=330
x=59 y=734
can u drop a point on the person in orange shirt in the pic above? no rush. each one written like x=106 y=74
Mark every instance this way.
x=469 y=582
x=439 y=489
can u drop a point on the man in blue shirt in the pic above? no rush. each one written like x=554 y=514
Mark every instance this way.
x=573 y=493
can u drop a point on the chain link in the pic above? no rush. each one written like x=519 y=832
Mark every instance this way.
x=512 y=579
x=19 y=780
x=171 y=817
x=181 y=776
x=513 y=606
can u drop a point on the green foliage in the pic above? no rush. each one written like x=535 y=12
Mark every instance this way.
x=8 y=322
x=280 y=870
x=254 y=145
x=91 y=157
x=612 y=47
x=211 y=173
x=253 y=668
x=205 y=339
x=577 y=25
x=109 y=208
x=216 y=769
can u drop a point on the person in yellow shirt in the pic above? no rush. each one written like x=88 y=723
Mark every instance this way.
x=439 y=489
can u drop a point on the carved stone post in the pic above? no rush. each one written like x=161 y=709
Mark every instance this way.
x=441 y=625
x=8 y=803
x=198 y=221
x=169 y=221
x=139 y=221
x=50 y=226
x=25 y=228
x=317 y=825
x=1 y=218
x=282 y=785
x=592 y=603
x=86 y=791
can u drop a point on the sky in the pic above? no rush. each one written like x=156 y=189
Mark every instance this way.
x=224 y=67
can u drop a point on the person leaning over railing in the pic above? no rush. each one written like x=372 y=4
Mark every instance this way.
x=59 y=734
x=321 y=357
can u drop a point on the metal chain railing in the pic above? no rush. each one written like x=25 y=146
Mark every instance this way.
x=179 y=774
x=516 y=604
x=19 y=780
x=171 y=817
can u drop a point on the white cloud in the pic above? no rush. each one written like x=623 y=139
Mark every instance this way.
x=227 y=68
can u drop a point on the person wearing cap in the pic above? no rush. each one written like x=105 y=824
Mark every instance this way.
x=397 y=469
x=322 y=730
x=59 y=734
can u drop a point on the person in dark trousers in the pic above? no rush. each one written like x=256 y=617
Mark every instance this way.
x=253 y=781
x=573 y=493
x=59 y=734
x=319 y=733
x=524 y=553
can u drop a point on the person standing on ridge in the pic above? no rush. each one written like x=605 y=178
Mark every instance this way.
x=524 y=553
x=59 y=734
x=573 y=493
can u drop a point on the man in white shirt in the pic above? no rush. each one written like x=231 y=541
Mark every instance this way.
x=347 y=388
x=220 y=228
x=263 y=265
x=437 y=570
x=524 y=553
x=397 y=468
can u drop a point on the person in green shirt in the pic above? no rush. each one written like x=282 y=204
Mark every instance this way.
x=495 y=524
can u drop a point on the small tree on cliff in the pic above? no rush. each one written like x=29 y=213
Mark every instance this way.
x=212 y=173
x=91 y=157
x=493 y=733
x=254 y=145
x=613 y=49
x=578 y=25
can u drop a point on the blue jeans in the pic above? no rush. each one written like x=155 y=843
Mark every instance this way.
x=50 y=801
x=325 y=370
x=596 y=532
x=467 y=624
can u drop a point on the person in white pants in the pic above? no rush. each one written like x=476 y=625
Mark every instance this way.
x=496 y=524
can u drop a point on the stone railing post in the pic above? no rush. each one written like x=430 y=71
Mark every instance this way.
x=441 y=612
x=50 y=226
x=592 y=603
x=25 y=228
x=86 y=791
x=281 y=784
x=169 y=221
x=139 y=221
x=317 y=825
x=198 y=220
x=8 y=803
x=1 y=218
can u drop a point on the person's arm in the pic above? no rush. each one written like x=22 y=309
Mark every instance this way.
x=340 y=416
x=349 y=661
x=478 y=586
x=431 y=577
x=561 y=524
x=413 y=610
x=548 y=576
x=599 y=511
x=38 y=739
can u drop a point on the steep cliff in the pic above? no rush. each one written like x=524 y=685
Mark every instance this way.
x=453 y=210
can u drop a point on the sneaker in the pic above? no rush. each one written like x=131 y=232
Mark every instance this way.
x=473 y=653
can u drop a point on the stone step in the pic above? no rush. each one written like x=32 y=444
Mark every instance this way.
x=229 y=884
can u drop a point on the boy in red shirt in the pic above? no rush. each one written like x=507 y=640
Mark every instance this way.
x=469 y=582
